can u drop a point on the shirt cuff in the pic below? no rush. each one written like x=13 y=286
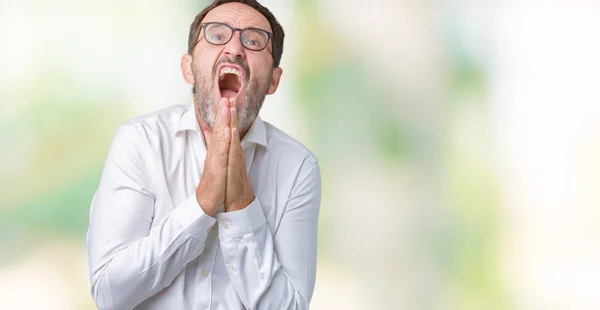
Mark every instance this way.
x=192 y=218
x=242 y=222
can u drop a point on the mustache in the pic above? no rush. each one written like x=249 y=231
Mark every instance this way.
x=234 y=61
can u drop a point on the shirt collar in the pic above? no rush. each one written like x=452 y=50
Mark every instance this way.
x=188 y=120
x=256 y=134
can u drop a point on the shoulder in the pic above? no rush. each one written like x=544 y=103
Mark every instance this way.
x=152 y=127
x=165 y=118
x=283 y=146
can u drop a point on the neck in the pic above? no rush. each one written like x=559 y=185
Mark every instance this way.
x=206 y=130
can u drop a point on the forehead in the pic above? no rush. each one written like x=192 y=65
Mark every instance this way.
x=237 y=15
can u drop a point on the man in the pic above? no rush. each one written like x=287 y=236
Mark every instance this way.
x=207 y=206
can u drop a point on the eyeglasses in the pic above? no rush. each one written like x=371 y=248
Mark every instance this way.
x=251 y=38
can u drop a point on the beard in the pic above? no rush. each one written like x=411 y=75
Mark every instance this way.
x=248 y=104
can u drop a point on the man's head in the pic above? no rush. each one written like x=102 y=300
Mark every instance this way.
x=234 y=50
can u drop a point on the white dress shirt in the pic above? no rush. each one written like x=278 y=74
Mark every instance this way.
x=152 y=247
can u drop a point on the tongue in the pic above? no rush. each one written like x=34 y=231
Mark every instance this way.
x=228 y=93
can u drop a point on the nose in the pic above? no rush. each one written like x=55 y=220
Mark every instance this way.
x=234 y=48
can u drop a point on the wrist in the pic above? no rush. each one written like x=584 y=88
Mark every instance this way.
x=209 y=208
x=241 y=204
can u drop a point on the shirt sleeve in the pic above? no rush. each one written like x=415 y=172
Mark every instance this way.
x=131 y=259
x=275 y=270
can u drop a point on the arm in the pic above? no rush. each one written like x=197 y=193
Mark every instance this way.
x=129 y=260
x=275 y=270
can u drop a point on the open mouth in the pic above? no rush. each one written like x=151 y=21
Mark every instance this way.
x=230 y=81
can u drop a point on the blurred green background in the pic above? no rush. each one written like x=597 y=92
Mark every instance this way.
x=459 y=143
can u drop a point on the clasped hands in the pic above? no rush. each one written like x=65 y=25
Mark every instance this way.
x=224 y=179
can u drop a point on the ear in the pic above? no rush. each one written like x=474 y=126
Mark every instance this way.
x=277 y=72
x=186 y=69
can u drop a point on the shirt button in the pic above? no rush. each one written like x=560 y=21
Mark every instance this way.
x=204 y=273
x=225 y=224
x=231 y=267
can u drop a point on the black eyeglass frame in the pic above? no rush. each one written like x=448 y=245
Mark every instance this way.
x=233 y=30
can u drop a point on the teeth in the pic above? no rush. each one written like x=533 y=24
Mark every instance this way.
x=227 y=70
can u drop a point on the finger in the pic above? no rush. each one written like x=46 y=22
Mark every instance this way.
x=231 y=157
x=226 y=115
x=219 y=113
x=234 y=121
x=231 y=161
x=220 y=119
x=221 y=131
x=239 y=152
x=223 y=146
x=236 y=148
x=213 y=137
